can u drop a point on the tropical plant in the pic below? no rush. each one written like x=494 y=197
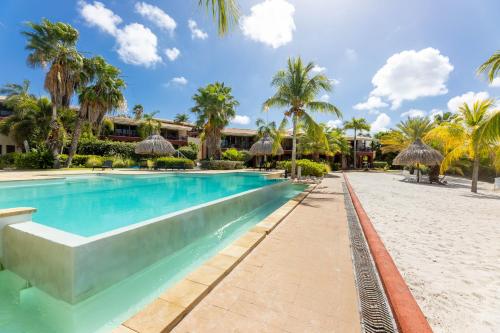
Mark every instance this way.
x=308 y=167
x=214 y=108
x=274 y=132
x=356 y=124
x=138 y=111
x=54 y=45
x=469 y=136
x=149 y=125
x=296 y=90
x=181 y=118
x=444 y=117
x=492 y=66
x=14 y=92
x=103 y=95
x=405 y=134
x=337 y=141
x=310 y=145
x=225 y=12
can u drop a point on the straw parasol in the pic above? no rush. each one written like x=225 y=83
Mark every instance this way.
x=155 y=145
x=264 y=147
x=418 y=153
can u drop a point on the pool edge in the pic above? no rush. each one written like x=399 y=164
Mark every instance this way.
x=168 y=309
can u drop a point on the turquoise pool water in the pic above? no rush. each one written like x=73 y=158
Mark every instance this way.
x=90 y=205
x=27 y=309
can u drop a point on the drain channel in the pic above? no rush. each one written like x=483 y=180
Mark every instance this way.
x=376 y=316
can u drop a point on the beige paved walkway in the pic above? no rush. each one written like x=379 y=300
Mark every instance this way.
x=299 y=279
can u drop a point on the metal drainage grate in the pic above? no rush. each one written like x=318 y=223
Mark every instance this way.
x=376 y=315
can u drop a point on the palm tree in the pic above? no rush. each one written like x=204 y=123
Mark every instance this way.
x=214 y=107
x=149 y=125
x=225 y=12
x=14 y=91
x=297 y=89
x=356 y=124
x=492 y=66
x=406 y=132
x=310 y=144
x=445 y=117
x=138 y=111
x=54 y=45
x=469 y=136
x=181 y=118
x=275 y=133
x=102 y=96
x=337 y=141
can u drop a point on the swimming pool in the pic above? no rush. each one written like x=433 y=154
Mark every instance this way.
x=90 y=205
x=127 y=267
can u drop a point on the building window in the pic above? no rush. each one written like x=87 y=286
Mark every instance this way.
x=10 y=149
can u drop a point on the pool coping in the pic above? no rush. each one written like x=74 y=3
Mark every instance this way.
x=168 y=309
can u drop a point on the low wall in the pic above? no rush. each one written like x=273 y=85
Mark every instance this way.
x=73 y=268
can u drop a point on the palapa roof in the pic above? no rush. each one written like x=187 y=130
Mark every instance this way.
x=155 y=145
x=165 y=123
x=265 y=147
x=418 y=152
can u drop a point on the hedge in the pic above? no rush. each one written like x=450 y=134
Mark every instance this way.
x=91 y=161
x=233 y=154
x=309 y=168
x=8 y=160
x=188 y=152
x=380 y=164
x=174 y=163
x=106 y=148
x=221 y=165
x=41 y=159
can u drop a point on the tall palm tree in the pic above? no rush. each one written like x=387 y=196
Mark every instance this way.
x=181 y=118
x=103 y=95
x=405 y=133
x=356 y=124
x=225 y=12
x=149 y=125
x=138 y=111
x=468 y=136
x=296 y=90
x=214 y=106
x=53 y=45
x=14 y=91
x=492 y=66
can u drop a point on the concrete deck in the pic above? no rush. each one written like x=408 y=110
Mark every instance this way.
x=299 y=279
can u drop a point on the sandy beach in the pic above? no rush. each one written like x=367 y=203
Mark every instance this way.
x=445 y=241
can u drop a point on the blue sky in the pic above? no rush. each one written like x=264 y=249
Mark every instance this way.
x=387 y=59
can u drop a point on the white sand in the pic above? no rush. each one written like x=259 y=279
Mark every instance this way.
x=446 y=243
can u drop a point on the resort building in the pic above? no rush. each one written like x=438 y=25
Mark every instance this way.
x=7 y=145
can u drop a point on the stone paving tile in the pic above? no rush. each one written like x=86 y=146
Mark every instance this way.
x=298 y=279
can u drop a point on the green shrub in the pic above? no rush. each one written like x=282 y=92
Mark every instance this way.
x=94 y=161
x=106 y=148
x=120 y=162
x=36 y=159
x=8 y=160
x=380 y=165
x=233 y=154
x=309 y=168
x=174 y=163
x=188 y=152
x=63 y=158
x=336 y=166
x=79 y=160
x=221 y=165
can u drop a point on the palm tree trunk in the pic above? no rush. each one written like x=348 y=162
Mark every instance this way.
x=74 y=142
x=294 y=146
x=354 y=149
x=475 y=173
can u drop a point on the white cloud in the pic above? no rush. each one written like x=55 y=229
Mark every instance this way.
x=372 y=103
x=325 y=98
x=495 y=83
x=241 y=120
x=318 y=69
x=180 y=80
x=413 y=113
x=97 y=15
x=270 y=22
x=137 y=45
x=351 y=54
x=156 y=15
x=381 y=123
x=196 y=33
x=409 y=75
x=469 y=98
x=337 y=123
x=172 y=53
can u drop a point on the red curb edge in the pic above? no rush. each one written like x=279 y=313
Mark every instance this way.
x=408 y=315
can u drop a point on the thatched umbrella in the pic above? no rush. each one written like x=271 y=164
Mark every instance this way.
x=418 y=153
x=264 y=147
x=155 y=145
